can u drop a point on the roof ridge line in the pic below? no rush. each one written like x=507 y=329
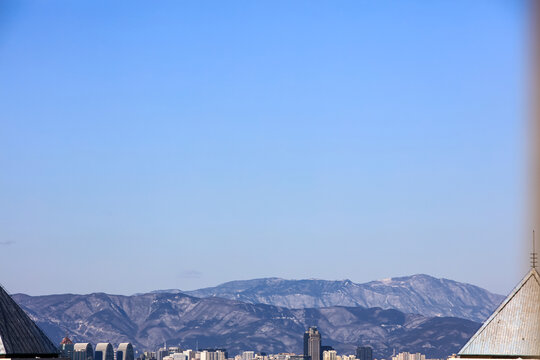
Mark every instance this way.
x=531 y=273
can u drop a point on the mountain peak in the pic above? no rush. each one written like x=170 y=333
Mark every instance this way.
x=418 y=293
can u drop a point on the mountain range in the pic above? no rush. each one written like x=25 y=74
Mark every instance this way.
x=417 y=294
x=235 y=316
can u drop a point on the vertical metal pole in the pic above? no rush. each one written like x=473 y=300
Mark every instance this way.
x=535 y=114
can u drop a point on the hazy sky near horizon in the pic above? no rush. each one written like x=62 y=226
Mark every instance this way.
x=175 y=144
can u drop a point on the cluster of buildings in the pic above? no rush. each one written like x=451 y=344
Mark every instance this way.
x=332 y=355
x=175 y=353
x=103 y=351
x=409 y=356
x=313 y=350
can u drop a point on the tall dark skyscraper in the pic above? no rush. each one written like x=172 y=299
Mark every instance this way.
x=364 y=353
x=312 y=344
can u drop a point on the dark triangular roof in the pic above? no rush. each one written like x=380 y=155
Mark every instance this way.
x=514 y=328
x=19 y=335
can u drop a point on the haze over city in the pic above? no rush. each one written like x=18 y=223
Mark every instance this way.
x=182 y=145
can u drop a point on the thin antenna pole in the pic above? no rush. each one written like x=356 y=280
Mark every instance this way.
x=534 y=255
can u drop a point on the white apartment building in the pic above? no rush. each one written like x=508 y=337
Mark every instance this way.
x=247 y=355
x=409 y=356
x=330 y=355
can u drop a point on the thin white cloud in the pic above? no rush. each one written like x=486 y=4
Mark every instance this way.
x=190 y=274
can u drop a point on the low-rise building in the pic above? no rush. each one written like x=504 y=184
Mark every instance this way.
x=83 y=351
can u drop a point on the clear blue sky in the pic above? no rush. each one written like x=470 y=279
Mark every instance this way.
x=180 y=144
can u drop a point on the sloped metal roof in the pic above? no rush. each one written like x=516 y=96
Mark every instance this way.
x=19 y=335
x=83 y=347
x=103 y=347
x=514 y=328
x=124 y=347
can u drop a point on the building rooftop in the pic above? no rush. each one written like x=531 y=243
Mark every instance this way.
x=66 y=341
x=20 y=337
x=513 y=330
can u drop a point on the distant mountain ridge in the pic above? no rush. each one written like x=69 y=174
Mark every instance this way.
x=149 y=320
x=418 y=294
x=416 y=313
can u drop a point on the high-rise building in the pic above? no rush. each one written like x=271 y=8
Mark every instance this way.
x=104 y=351
x=162 y=352
x=189 y=353
x=66 y=348
x=312 y=344
x=248 y=355
x=150 y=355
x=176 y=356
x=330 y=355
x=221 y=355
x=125 y=352
x=205 y=355
x=409 y=356
x=83 y=351
x=364 y=353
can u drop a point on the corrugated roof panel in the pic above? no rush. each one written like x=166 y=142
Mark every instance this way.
x=19 y=335
x=514 y=328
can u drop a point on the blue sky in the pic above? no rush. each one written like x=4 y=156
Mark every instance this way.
x=175 y=144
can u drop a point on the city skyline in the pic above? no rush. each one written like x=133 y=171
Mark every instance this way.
x=183 y=145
